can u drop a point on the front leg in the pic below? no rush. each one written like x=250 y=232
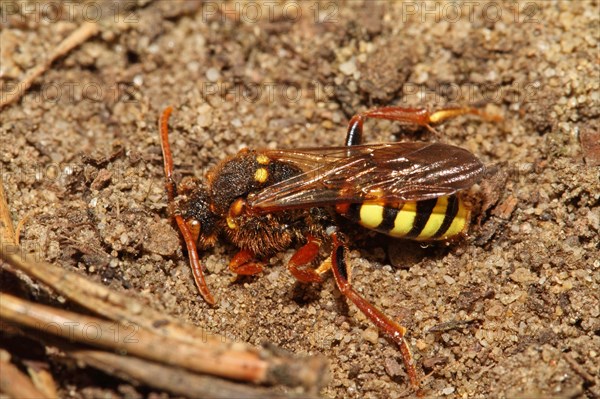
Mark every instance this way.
x=245 y=264
x=395 y=331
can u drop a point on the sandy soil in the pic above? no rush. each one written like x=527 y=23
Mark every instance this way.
x=507 y=312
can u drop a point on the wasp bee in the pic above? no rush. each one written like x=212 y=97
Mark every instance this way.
x=265 y=201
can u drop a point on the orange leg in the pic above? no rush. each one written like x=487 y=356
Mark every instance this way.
x=189 y=236
x=243 y=263
x=413 y=116
x=303 y=256
x=395 y=331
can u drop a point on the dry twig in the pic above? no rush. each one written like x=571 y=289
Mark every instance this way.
x=587 y=377
x=42 y=378
x=231 y=360
x=174 y=380
x=123 y=338
x=79 y=36
x=13 y=382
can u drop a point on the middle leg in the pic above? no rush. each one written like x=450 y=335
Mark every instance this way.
x=304 y=256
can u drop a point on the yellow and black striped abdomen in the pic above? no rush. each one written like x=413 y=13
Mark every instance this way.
x=435 y=219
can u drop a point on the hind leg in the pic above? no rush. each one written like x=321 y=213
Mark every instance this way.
x=395 y=331
x=413 y=116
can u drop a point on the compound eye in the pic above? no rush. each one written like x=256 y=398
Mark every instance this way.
x=194 y=228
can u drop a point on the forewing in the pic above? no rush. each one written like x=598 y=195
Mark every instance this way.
x=392 y=172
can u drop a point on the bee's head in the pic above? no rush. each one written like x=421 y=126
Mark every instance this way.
x=194 y=204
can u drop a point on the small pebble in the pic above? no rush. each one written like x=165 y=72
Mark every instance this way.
x=204 y=119
x=212 y=74
x=523 y=275
x=421 y=345
x=371 y=335
x=449 y=280
x=392 y=367
x=348 y=67
x=495 y=311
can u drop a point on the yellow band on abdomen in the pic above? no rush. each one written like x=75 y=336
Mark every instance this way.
x=405 y=220
x=459 y=223
x=371 y=215
x=434 y=219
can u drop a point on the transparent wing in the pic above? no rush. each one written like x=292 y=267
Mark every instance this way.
x=408 y=171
